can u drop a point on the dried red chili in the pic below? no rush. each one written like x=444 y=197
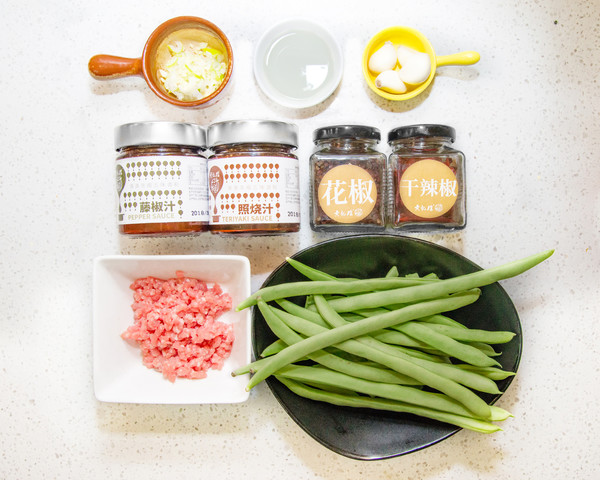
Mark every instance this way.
x=428 y=179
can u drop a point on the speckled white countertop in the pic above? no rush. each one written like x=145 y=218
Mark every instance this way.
x=526 y=117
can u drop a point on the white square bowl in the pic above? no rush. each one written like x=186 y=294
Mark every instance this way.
x=119 y=374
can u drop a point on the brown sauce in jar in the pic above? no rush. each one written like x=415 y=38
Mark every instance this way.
x=253 y=178
x=161 y=179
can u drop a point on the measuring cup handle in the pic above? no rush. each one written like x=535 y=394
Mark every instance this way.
x=104 y=67
x=462 y=58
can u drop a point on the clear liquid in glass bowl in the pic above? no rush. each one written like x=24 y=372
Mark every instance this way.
x=298 y=64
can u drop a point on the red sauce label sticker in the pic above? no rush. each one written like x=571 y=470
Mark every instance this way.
x=347 y=193
x=428 y=188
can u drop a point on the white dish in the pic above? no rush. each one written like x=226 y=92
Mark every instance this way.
x=119 y=374
x=298 y=63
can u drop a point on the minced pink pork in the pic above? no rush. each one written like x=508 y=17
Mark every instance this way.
x=176 y=326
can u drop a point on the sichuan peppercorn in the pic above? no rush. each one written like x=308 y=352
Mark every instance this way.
x=348 y=179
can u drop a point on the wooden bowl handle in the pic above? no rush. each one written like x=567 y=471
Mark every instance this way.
x=105 y=67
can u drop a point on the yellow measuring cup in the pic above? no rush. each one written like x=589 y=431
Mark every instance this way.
x=414 y=39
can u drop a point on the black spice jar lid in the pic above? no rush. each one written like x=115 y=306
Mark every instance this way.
x=423 y=130
x=347 y=131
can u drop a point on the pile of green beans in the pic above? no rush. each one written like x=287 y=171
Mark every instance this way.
x=385 y=343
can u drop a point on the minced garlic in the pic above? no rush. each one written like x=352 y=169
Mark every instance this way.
x=193 y=71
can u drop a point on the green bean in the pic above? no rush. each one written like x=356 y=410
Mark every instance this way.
x=250 y=367
x=369 y=344
x=309 y=272
x=334 y=336
x=351 y=317
x=431 y=276
x=478 y=382
x=351 y=346
x=393 y=272
x=256 y=365
x=308 y=301
x=398 y=338
x=451 y=347
x=491 y=372
x=363 y=312
x=401 y=363
x=484 y=348
x=436 y=289
x=389 y=405
x=404 y=340
x=475 y=381
x=331 y=389
x=369 y=312
x=498 y=414
x=327 y=359
x=317 y=275
x=426 y=352
x=443 y=320
x=423 y=354
x=313 y=316
x=401 y=393
x=302 y=312
x=308 y=328
x=471 y=334
x=275 y=347
x=333 y=349
x=294 y=289
x=430 y=373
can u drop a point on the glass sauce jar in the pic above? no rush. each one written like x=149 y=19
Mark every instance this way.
x=161 y=179
x=347 y=179
x=253 y=177
x=428 y=179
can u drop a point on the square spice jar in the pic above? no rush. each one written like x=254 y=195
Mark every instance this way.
x=427 y=179
x=348 y=180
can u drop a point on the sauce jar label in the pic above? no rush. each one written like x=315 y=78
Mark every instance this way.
x=428 y=188
x=162 y=189
x=347 y=193
x=254 y=190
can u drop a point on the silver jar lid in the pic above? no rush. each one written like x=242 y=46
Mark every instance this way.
x=159 y=133
x=252 y=131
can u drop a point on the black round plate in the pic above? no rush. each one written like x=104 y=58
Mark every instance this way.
x=365 y=434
